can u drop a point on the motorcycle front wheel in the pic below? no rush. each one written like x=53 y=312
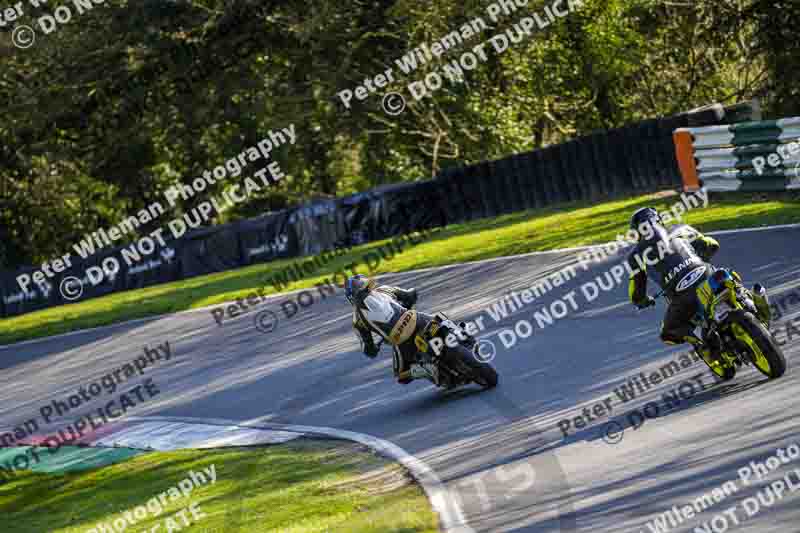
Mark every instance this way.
x=481 y=373
x=762 y=349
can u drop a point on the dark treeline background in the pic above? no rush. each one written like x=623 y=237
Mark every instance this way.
x=110 y=109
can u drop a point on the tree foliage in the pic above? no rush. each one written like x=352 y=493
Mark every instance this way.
x=107 y=111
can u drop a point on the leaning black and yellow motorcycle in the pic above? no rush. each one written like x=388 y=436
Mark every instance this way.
x=450 y=357
x=735 y=324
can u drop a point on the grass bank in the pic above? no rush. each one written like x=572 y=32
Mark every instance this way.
x=561 y=226
x=300 y=487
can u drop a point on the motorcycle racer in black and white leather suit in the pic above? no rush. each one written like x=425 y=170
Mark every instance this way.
x=386 y=310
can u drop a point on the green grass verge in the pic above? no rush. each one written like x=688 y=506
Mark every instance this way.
x=549 y=228
x=308 y=487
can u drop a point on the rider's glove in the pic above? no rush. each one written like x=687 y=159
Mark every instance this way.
x=648 y=301
x=371 y=353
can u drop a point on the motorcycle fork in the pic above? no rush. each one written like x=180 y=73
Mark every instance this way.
x=761 y=299
x=733 y=349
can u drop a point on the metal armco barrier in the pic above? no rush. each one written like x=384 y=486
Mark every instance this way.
x=751 y=156
x=635 y=158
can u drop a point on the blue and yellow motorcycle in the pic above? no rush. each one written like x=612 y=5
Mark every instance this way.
x=735 y=325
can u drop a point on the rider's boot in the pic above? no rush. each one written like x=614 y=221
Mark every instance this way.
x=699 y=346
x=761 y=300
x=710 y=351
x=415 y=371
x=418 y=371
x=410 y=366
x=403 y=374
x=706 y=350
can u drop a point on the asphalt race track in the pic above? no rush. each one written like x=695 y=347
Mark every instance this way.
x=501 y=452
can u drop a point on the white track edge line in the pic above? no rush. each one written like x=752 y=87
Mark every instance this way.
x=418 y=271
x=444 y=504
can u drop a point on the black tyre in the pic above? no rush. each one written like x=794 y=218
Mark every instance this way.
x=482 y=373
x=764 y=352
